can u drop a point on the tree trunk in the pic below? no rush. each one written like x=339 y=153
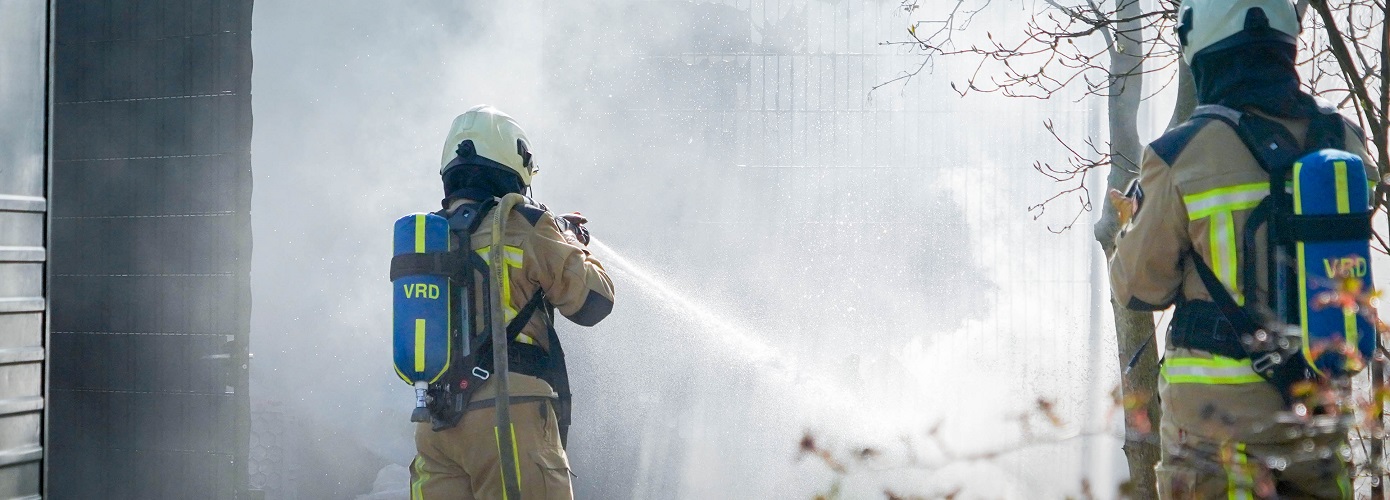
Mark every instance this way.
x=1133 y=329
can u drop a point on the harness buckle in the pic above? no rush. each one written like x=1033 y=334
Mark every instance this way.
x=1218 y=332
x=1266 y=363
x=482 y=374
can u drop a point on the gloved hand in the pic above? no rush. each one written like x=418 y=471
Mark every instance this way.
x=1124 y=205
x=575 y=224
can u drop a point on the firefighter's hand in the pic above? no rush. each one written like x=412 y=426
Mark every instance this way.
x=575 y=222
x=1125 y=206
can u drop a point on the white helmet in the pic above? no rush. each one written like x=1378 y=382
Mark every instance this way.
x=486 y=136
x=1219 y=24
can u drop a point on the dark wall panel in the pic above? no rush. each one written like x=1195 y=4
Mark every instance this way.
x=150 y=249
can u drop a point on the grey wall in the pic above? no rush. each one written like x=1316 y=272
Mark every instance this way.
x=23 y=215
x=151 y=247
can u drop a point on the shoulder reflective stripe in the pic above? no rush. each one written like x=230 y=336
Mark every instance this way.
x=514 y=257
x=1216 y=371
x=1230 y=198
x=1219 y=205
x=1223 y=253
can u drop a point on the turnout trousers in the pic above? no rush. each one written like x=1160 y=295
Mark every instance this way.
x=1222 y=437
x=462 y=463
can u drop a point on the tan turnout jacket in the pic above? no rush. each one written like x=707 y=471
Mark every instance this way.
x=542 y=256
x=1200 y=185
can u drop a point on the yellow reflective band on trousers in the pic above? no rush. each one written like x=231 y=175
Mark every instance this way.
x=516 y=459
x=416 y=487
x=1239 y=480
x=1215 y=371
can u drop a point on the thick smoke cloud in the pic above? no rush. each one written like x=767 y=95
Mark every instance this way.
x=791 y=253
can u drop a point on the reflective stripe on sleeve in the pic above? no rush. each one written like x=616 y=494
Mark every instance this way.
x=1215 y=371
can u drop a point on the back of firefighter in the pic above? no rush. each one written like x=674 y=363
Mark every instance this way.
x=1221 y=433
x=543 y=253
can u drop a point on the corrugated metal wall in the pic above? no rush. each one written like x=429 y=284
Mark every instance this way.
x=151 y=249
x=23 y=216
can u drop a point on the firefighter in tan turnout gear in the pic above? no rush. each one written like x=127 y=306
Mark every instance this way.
x=1195 y=212
x=487 y=157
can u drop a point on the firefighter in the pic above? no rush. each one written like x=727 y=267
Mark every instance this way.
x=487 y=156
x=1222 y=434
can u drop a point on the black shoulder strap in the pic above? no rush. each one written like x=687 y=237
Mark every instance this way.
x=1327 y=130
x=1240 y=320
x=524 y=315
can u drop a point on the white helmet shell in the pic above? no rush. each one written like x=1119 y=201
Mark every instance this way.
x=1206 y=24
x=495 y=137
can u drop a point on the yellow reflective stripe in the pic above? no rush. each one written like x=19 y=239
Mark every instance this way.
x=500 y=471
x=508 y=312
x=1297 y=189
x=1349 y=320
x=1223 y=253
x=525 y=339
x=1238 y=478
x=1303 y=296
x=1215 y=371
x=513 y=256
x=419 y=345
x=516 y=459
x=1339 y=170
x=1226 y=199
x=419 y=233
x=417 y=486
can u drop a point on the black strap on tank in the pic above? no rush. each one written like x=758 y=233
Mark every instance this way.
x=447 y=264
x=1338 y=227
